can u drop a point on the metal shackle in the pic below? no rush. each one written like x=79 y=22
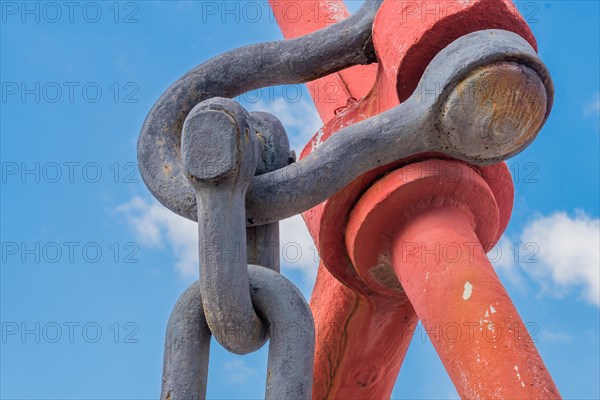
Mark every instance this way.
x=445 y=121
x=220 y=154
x=236 y=72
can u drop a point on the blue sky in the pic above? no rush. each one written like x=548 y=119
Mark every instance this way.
x=92 y=265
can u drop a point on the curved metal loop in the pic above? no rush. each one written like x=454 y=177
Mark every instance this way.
x=290 y=328
x=300 y=60
x=187 y=347
x=410 y=128
x=291 y=334
x=221 y=147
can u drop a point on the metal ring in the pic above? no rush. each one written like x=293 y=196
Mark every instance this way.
x=291 y=332
x=187 y=346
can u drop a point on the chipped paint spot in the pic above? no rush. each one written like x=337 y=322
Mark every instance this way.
x=427 y=277
x=468 y=291
x=318 y=140
x=492 y=309
x=486 y=322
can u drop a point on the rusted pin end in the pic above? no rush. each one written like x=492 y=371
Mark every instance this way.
x=494 y=112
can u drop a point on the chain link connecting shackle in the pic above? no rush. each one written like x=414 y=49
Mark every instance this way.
x=205 y=163
x=206 y=158
x=241 y=305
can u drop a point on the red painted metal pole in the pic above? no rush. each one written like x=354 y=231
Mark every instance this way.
x=361 y=340
x=441 y=217
x=347 y=364
x=471 y=321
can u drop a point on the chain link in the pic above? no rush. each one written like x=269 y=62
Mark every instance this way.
x=241 y=305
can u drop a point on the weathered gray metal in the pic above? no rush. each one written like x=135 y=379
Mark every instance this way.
x=241 y=305
x=220 y=152
x=291 y=334
x=262 y=241
x=415 y=126
x=288 y=323
x=233 y=73
x=187 y=346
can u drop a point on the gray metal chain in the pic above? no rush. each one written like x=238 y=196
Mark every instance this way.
x=290 y=326
x=217 y=150
x=241 y=305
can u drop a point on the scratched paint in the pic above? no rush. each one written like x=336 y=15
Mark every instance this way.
x=519 y=376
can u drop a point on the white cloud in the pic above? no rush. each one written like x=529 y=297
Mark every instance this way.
x=560 y=253
x=593 y=108
x=154 y=225
x=555 y=336
x=237 y=371
x=503 y=259
x=569 y=254
x=297 y=247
